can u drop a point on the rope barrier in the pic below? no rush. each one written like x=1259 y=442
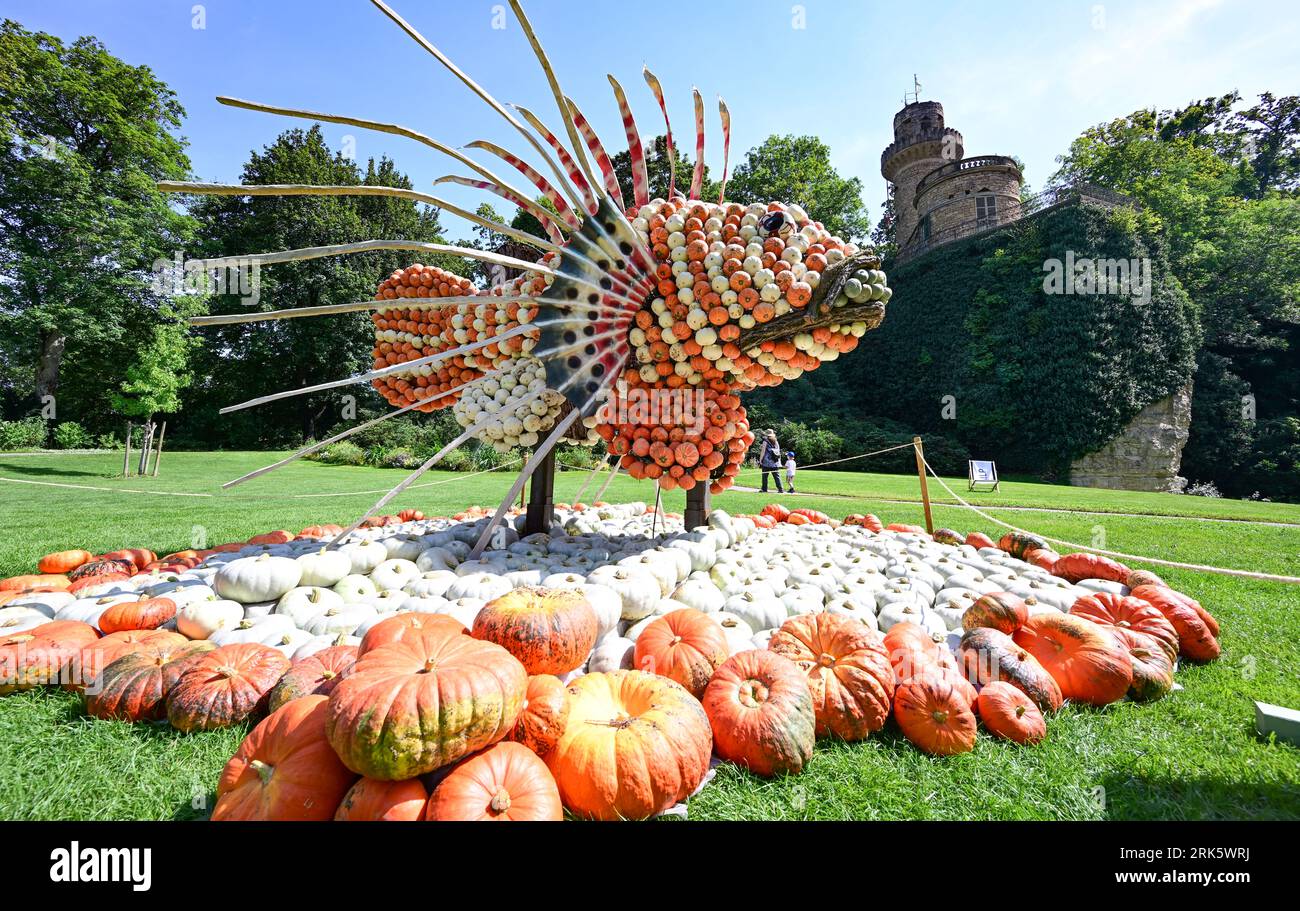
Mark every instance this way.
x=833 y=461
x=1196 y=567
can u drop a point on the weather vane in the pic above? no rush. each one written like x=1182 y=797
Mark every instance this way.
x=915 y=93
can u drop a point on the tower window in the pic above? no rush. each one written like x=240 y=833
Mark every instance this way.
x=986 y=210
x=925 y=227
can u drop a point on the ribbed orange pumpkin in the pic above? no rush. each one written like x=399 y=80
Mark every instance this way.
x=1153 y=665
x=989 y=656
x=371 y=800
x=761 y=711
x=316 y=674
x=1001 y=611
x=41 y=655
x=504 y=783
x=906 y=527
x=64 y=561
x=635 y=745
x=147 y=613
x=1084 y=659
x=848 y=671
x=935 y=716
x=407 y=627
x=1117 y=611
x=284 y=769
x=1010 y=714
x=1143 y=577
x=978 y=539
x=225 y=686
x=1079 y=566
x=85 y=669
x=410 y=706
x=685 y=645
x=135 y=686
x=776 y=511
x=33 y=582
x=1198 y=631
x=1043 y=559
x=544 y=715
x=138 y=557
x=550 y=630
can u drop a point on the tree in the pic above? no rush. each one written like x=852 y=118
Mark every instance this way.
x=1273 y=131
x=84 y=138
x=658 y=172
x=885 y=235
x=797 y=170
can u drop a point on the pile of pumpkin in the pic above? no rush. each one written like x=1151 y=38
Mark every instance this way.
x=582 y=680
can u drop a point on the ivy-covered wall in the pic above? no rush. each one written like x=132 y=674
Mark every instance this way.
x=1036 y=380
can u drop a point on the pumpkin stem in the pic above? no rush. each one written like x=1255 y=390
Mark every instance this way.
x=940 y=716
x=263 y=770
x=1020 y=710
x=500 y=801
x=227 y=671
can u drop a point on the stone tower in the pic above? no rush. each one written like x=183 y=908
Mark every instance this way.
x=921 y=144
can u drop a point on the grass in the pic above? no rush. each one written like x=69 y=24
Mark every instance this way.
x=1193 y=755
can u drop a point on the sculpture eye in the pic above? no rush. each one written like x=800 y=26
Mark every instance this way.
x=776 y=223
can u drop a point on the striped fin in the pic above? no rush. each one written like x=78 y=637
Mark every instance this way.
x=697 y=179
x=548 y=222
x=653 y=81
x=725 y=116
x=598 y=152
x=535 y=178
x=565 y=158
x=635 y=151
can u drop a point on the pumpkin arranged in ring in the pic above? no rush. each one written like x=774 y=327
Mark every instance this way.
x=41 y=655
x=1121 y=612
x=86 y=667
x=225 y=686
x=317 y=674
x=371 y=800
x=1010 y=714
x=1087 y=663
x=284 y=769
x=1153 y=665
x=1018 y=543
x=135 y=686
x=410 y=706
x=935 y=716
x=761 y=711
x=1001 y=611
x=550 y=630
x=1198 y=631
x=848 y=670
x=64 y=561
x=635 y=745
x=989 y=656
x=544 y=715
x=504 y=783
x=147 y=613
x=685 y=645
x=1079 y=566
x=407 y=627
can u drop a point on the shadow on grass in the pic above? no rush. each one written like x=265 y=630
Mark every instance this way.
x=1211 y=797
x=38 y=470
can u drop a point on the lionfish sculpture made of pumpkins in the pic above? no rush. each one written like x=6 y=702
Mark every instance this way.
x=675 y=297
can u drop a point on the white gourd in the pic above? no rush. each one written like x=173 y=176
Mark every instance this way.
x=702 y=595
x=305 y=602
x=324 y=567
x=636 y=588
x=262 y=578
x=355 y=588
x=200 y=619
x=364 y=556
x=394 y=575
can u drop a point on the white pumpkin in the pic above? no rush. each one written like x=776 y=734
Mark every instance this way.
x=394 y=575
x=364 y=556
x=433 y=584
x=260 y=631
x=662 y=569
x=305 y=602
x=88 y=610
x=637 y=589
x=463 y=609
x=700 y=594
x=200 y=619
x=481 y=586
x=263 y=578
x=51 y=601
x=923 y=617
x=388 y=601
x=18 y=619
x=340 y=620
x=428 y=605
x=404 y=547
x=758 y=609
x=613 y=653
x=324 y=567
x=355 y=588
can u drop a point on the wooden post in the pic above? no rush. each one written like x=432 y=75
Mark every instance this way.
x=126 y=458
x=698 y=505
x=157 y=456
x=146 y=447
x=925 y=489
x=541 y=497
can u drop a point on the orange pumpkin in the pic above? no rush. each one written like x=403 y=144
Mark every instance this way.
x=1198 y=631
x=761 y=711
x=1042 y=558
x=409 y=627
x=776 y=511
x=135 y=685
x=137 y=557
x=1143 y=577
x=285 y=769
x=848 y=671
x=147 y=613
x=43 y=582
x=1001 y=611
x=63 y=561
x=988 y=656
x=1010 y=714
x=279 y=536
x=371 y=800
x=1153 y=664
x=316 y=674
x=798 y=518
x=904 y=527
x=550 y=630
x=225 y=686
x=812 y=515
x=978 y=539
x=935 y=716
x=504 y=783
x=635 y=745
x=1080 y=566
x=544 y=715
x=41 y=655
x=1087 y=663
x=90 y=661
x=1116 y=611
x=685 y=645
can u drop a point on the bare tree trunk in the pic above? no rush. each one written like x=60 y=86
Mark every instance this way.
x=146 y=444
x=157 y=456
x=47 y=369
x=126 y=456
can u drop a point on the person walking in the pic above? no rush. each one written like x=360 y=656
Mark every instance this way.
x=769 y=460
x=789 y=470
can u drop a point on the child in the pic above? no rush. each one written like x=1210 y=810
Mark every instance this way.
x=789 y=470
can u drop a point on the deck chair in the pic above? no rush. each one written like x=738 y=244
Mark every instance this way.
x=982 y=473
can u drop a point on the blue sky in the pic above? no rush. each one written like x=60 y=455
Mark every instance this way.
x=1017 y=78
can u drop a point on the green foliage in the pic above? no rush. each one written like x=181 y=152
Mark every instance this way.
x=797 y=170
x=26 y=433
x=657 y=171
x=340 y=453
x=154 y=381
x=71 y=435
x=1274 y=466
x=576 y=457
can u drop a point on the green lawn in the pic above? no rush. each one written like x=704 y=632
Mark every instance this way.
x=1193 y=755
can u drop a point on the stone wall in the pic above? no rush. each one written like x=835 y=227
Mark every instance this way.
x=1147 y=453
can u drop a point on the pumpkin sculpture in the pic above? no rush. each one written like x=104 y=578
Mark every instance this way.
x=284 y=769
x=544 y=715
x=1120 y=612
x=761 y=711
x=635 y=745
x=935 y=716
x=1082 y=657
x=410 y=706
x=371 y=800
x=685 y=645
x=552 y=631
x=1010 y=714
x=317 y=674
x=135 y=686
x=989 y=656
x=1198 y=631
x=1001 y=611
x=225 y=686
x=504 y=783
x=848 y=672
x=147 y=613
